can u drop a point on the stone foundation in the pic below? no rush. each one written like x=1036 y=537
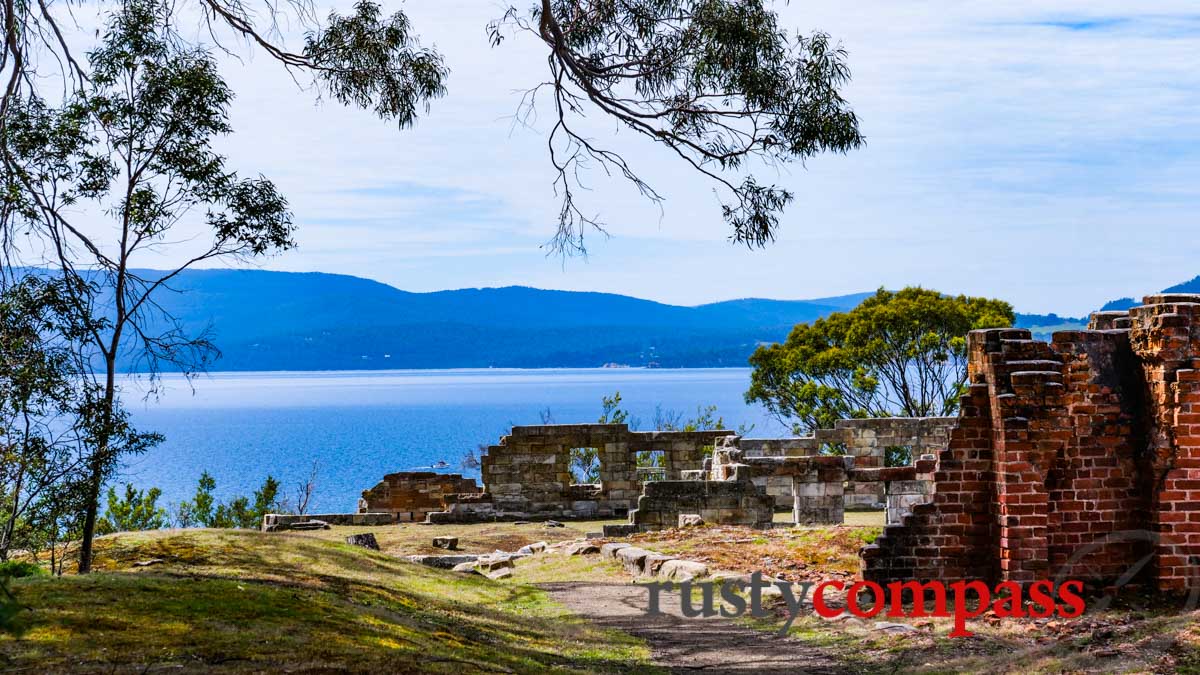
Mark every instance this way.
x=273 y=522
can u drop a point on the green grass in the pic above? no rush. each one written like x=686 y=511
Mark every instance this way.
x=246 y=601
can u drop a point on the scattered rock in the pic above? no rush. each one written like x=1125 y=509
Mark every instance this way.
x=653 y=563
x=690 y=520
x=147 y=563
x=466 y=568
x=595 y=535
x=497 y=574
x=365 y=540
x=448 y=543
x=582 y=548
x=894 y=628
x=520 y=522
x=490 y=564
x=530 y=549
x=553 y=523
x=445 y=562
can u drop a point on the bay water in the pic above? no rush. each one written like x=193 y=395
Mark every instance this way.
x=358 y=426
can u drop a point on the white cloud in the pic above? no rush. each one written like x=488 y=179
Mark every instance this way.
x=1046 y=156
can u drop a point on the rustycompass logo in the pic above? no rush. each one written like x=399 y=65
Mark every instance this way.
x=961 y=600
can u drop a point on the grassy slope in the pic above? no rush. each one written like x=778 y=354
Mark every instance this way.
x=247 y=601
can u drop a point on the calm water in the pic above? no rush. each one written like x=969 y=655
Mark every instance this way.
x=360 y=425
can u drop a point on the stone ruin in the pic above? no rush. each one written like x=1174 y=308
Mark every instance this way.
x=866 y=440
x=528 y=476
x=1076 y=458
x=412 y=495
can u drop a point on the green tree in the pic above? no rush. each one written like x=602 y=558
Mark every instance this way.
x=136 y=510
x=198 y=511
x=203 y=510
x=50 y=412
x=136 y=142
x=718 y=84
x=898 y=353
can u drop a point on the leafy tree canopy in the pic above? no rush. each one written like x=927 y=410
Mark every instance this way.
x=719 y=84
x=897 y=354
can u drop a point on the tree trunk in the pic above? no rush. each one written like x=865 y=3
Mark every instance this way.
x=97 y=477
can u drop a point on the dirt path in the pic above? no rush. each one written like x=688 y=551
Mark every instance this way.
x=687 y=645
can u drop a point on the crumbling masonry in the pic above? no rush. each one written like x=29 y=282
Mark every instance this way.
x=711 y=474
x=1078 y=458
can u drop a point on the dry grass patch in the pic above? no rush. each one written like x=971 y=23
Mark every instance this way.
x=793 y=554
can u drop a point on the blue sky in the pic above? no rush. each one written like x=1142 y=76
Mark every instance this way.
x=1044 y=153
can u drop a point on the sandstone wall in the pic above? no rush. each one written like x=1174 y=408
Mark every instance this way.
x=411 y=495
x=867 y=440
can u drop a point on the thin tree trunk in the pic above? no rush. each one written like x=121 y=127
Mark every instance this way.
x=97 y=477
x=11 y=524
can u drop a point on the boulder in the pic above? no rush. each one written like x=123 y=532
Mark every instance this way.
x=448 y=543
x=365 y=540
x=690 y=520
x=554 y=523
x=610 y=549
x=466 y=568
x=683 y=570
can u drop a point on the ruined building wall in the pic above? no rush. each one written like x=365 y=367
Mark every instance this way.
x=528 y=473
x=411 y=495
x=1076 y=457
x=867 y=440
x=733 y=500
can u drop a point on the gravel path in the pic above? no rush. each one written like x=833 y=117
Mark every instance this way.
x=687 y=645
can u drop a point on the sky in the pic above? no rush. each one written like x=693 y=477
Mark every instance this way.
x=1042 y=153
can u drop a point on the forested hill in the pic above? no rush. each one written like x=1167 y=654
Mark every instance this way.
x=312 y=321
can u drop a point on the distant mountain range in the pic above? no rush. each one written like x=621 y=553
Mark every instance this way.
x=313 y=321
x=1190 y=286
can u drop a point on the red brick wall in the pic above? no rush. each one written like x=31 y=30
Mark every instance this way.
x=1076 y=458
